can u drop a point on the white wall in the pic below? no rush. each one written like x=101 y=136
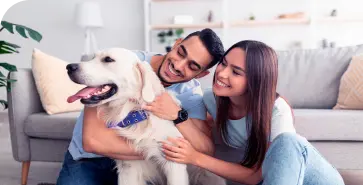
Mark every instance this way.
x=279 y=37
x=124 y=24
x=123 y=27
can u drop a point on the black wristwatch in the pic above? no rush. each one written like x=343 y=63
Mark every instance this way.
x=182 y=116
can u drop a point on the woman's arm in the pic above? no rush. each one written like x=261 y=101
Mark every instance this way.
x=233 y=171
x=181 y=151
x=194 y=130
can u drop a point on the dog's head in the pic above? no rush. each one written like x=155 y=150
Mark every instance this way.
x=114 y=74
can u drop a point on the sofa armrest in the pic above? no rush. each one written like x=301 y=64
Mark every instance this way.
x=23 y=101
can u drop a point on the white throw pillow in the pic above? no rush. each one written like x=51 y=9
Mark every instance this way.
x=53 y=83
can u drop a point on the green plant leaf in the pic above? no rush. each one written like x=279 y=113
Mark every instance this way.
x=8 y=66
x=4 y=103
x=162 y=40
x=161 y=34
x=21 y=31
x=34 y=35
x=3 y=85
x=8 y=26
x=169 y=33
x=4 y=79
x=6 y=47
x=2 y=75
x=4 y=51
x=179 y=32
x=9 y=49
x=11 y=80
x=10 y=44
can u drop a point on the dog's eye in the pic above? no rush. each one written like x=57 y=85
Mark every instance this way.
x=108 y=59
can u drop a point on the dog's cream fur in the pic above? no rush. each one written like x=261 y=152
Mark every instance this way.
x=136 y=80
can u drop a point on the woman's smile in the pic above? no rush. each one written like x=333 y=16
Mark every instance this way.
x=221 y=84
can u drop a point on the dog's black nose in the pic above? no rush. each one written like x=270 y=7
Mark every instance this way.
x=72 y=67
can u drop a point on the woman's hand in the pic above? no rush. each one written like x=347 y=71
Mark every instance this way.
x=180 y=151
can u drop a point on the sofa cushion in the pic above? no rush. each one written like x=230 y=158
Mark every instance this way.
x=55 y=149
x=343 y=155
x=327 y=124
x=351 y=86
x=53 y=84
x=310 y=78
x=57 y=126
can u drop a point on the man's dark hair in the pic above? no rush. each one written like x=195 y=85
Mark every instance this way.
x=212 y=42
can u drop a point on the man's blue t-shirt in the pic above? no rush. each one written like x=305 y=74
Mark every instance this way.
x=188 y=93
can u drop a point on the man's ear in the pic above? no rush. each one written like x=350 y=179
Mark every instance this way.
x=202 y=74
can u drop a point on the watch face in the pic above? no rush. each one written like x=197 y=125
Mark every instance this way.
x=184 y=115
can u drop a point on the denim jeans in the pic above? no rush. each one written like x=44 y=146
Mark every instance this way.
x=292 y=160
x=95 y=171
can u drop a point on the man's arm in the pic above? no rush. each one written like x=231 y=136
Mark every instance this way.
x=99 y=139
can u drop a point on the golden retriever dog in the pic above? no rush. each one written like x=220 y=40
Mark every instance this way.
x=114 y=77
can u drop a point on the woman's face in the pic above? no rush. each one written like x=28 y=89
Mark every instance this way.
x=230 y=75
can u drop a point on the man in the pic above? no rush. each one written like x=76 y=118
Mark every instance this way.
x=89 y=159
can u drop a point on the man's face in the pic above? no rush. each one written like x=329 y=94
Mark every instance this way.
x=187 y=60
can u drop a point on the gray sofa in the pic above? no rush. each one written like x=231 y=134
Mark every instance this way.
x=308 y=79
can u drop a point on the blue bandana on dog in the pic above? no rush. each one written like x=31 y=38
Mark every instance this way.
x=132 y=118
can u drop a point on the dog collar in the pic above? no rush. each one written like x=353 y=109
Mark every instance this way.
x=132 y=118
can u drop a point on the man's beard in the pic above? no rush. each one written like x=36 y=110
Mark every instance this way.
x=158 y=74
x=162 y=79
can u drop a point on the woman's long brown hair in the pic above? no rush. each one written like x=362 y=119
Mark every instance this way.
x=262 y=72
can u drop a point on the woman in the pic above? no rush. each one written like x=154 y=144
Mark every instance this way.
x=255 y=140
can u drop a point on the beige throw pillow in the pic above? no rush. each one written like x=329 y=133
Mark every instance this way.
x=351 y=86
x=53 y=83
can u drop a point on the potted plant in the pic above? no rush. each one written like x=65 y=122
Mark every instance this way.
x=10 y=48
x=170 y=36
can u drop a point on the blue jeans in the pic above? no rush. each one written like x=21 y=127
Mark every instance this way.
x=292 y=160
x=95 y=171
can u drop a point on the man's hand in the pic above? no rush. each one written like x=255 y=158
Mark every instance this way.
x=163 y=107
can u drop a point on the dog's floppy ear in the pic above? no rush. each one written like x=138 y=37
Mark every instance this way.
x=151 y=85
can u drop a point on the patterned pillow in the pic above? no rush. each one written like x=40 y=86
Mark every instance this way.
x=351 y=86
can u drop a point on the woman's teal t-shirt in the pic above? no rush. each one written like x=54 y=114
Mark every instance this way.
x=282 y=121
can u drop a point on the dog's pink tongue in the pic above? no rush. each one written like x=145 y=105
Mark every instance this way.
x=82 y=93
